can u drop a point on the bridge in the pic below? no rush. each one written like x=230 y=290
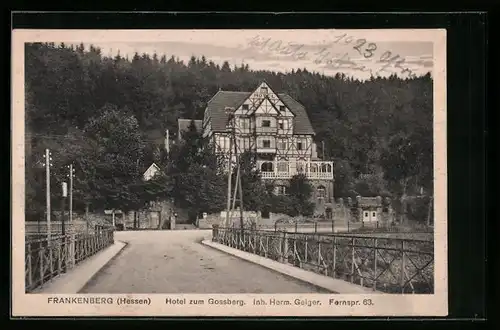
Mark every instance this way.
x=154 y=261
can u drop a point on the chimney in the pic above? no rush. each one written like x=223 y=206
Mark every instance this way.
x=167 y=141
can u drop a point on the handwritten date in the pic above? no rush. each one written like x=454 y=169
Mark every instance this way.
x=389 y=62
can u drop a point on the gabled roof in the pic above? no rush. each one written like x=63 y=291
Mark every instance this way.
x=152 y=166
x=216 y=110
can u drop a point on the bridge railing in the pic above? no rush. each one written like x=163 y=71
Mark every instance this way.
x=46 y=259
x=391 y=265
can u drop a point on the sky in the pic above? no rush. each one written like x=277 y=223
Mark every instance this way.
x=356 y=53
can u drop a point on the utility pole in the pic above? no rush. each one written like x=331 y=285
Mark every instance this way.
x=237 y=185
x=48 y=164
x=63 y=229
x=229 y=169
x=63 y=206
x=229 y=174
x=71 y=175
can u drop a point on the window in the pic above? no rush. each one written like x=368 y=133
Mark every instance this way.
x=263 y=90
x=299 y=145
x=281 y=125
x=366 y=214
x=281 y=190
x=282 y=108
x=246 y=143
x=321 y=192
x=266 y=123
x=266 y=143
x=245 y=106
x=244 y=123
x=282 y=144
x=267 y=167
x=374 y=214
x=282 y=167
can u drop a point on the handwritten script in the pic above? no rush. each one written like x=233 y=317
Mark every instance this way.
x=332 y=56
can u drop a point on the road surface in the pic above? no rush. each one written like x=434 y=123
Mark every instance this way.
x=176 y=262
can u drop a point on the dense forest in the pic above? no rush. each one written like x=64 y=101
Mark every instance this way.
x=378 y=132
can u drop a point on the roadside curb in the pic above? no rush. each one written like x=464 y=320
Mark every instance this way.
x=325 y=282
x=77 y=278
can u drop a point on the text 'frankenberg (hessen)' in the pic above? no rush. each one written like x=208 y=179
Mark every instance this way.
x=209 y=301
x=99 y=300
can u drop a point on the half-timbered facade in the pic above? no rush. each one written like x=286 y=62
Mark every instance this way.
x=277 y=129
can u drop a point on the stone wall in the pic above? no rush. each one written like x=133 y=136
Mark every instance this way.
x=219 y=219
x=248 y=217
x=159 y=215
x=349 y=210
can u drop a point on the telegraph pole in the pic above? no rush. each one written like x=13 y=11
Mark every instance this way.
x=237 y=184
x=63 y=206
x=47 y=165
x=229 y=174
x=71 y=175
x=63 y=229
x=229 y=168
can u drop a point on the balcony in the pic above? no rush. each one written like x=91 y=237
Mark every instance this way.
x=314 y=170
x=266 y=130
x=266 y=150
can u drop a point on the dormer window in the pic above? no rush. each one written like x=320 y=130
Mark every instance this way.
x=244 y=106
x=263 y=90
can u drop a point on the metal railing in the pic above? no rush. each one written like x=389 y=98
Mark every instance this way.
x=45 y=259
x=390 y=265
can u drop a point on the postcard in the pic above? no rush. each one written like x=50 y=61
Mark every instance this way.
x=229 y=173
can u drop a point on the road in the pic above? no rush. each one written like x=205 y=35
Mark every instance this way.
x=176 y=262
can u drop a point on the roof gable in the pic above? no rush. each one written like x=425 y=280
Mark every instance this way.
x=266 y=107
x=151 y=171
x=222 y=99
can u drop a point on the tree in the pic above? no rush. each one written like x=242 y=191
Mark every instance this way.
x=255 y=194
x=112 y=173
x=300 y=192
x=197 y=183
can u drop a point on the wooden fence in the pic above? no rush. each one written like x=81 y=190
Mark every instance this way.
x=45 y=259
x=385 y=264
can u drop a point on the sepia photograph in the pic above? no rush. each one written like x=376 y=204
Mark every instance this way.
x=246 y=172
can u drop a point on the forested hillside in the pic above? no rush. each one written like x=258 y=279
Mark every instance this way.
x=378 y=132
